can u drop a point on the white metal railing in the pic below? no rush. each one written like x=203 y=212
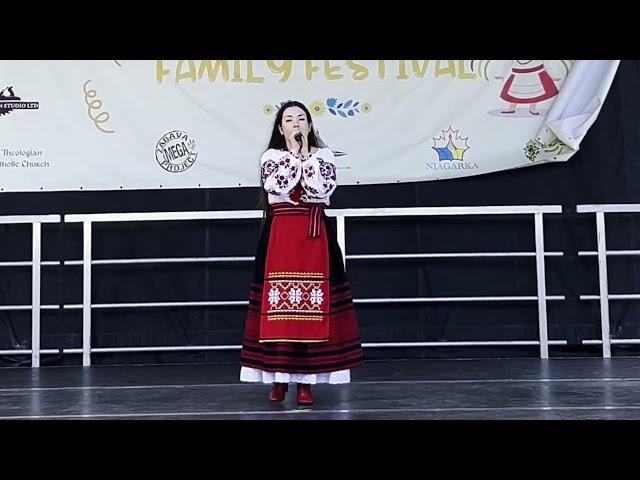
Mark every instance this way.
x=603 y=280
x=536 y=210
x=341 y=215
x=541 y=297
x=36 y=222
x=89 y=219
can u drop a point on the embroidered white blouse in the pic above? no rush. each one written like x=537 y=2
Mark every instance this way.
x=281 y=171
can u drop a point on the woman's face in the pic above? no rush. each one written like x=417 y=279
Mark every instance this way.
x=294 y=119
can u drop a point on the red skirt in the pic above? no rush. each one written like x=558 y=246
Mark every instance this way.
x=295 y=298
x=329 y=344
x=521 y=79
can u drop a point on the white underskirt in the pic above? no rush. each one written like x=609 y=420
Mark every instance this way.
x=248 y=374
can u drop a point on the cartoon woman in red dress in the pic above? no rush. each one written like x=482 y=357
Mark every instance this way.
x=527 y=83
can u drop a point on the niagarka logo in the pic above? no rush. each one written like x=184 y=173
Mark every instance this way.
x=9 y=101
x=451 y=148
x=176 y=151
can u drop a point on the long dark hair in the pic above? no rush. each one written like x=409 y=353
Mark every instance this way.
x=278 y=142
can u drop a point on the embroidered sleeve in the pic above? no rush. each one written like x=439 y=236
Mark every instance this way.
x=319 y=174
x=280 y=171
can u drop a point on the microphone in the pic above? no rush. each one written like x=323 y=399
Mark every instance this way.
x=298 y=137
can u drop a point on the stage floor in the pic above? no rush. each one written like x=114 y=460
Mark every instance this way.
x=475 y=389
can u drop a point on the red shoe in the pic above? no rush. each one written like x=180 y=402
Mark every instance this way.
x=534 y=113
x=508 y=111
x=304 y=394
x=278 y=392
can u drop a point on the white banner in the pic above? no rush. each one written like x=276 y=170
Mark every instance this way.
x=110 y=125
